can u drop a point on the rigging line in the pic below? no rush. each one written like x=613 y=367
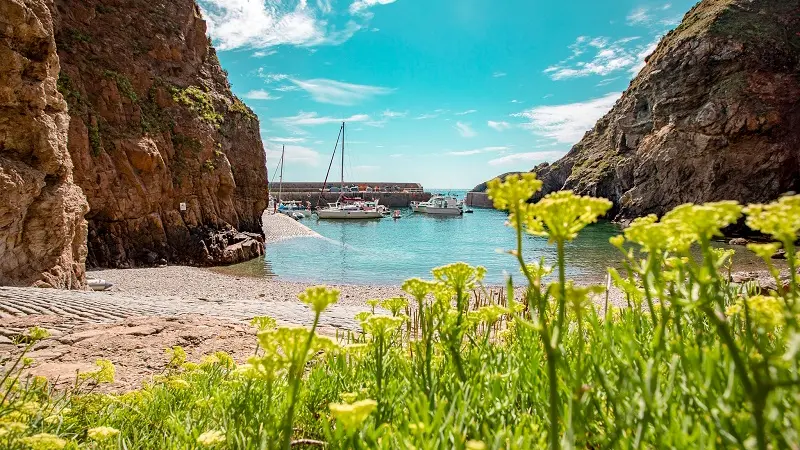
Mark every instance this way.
x=325 y=183
x=274 y=174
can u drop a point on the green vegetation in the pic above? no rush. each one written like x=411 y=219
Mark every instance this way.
x=71 y=94
x=123 y=84
x=95 y=140
x=180 y=141
x=208 y=165
x=693 y=361
x=241 y=108
x=200 y=102
x=77 y=35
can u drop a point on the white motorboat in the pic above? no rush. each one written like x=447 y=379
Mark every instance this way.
x=349 y=208
x=419 y=207
x=444 y=205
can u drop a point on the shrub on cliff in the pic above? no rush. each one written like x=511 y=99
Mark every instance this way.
x=694 y=361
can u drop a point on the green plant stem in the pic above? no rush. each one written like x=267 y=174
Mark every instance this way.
x=296 y=372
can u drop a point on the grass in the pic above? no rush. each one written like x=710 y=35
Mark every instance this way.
x=123 y=84
x=693 y=361
x=200 y=102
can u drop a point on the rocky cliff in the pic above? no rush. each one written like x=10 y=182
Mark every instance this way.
x=153 y=125
x=715 y=114
x=42 y=229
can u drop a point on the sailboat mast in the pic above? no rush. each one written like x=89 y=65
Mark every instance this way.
x=280 y=186
x=342 y=156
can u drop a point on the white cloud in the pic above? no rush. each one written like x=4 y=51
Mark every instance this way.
x=515 y=101
x=310 y=119
x=338 y=93
x=290 y=140
x=360 y=6
x=294 y=154
x=464 y=113
x=264 y=53
x=259 y=94
x=499 y=74
x=567 y=123
x=465 y=130
x=235 y=24
x=499 y=126
x=270 y=78
x=396 y=155
x=607 y=81
x=394 y=114
x=478 y=151
x=639 y=16
x=608 y=57
x=528 y=158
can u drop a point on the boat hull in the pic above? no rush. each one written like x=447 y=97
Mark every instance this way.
x=348 y=215
x=444 y=211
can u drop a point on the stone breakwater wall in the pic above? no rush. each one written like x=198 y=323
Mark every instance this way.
x=478 y=200
x=390 y=199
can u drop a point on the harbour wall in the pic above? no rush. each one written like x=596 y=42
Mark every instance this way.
x=389 y=199
x=478 y=200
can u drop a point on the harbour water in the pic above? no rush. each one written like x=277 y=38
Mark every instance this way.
x=388 y=251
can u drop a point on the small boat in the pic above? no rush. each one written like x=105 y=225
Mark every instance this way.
x=99 y=284
x=444 y=205
x=345 y=207
x=396 y=214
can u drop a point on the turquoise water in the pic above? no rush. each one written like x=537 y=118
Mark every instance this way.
x=388 y=251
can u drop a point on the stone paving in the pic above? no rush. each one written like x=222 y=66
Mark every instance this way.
x=105 y=307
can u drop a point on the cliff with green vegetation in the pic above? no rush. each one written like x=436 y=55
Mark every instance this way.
x=154 y=125
x=715 y=114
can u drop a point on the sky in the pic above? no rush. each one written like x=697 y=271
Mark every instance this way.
x=447 y=93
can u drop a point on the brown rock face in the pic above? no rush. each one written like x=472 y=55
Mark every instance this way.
x=154 y=125
x=42 y=229
x=714 y=115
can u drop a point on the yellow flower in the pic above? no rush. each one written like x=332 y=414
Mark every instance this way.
x=417 y=288
x=263 y=323
x=475 y=445
x=617 y=241
x=763 y=310
x=394 y=305
x=211 y=438
x=363 y=316
x=319 y=297
x=416 y=427
x=349 y=397
x=382 y=325
x=105 y=373
x=564 y=214
x=44 y=441
x=780 y=219
x=179 y=383
x=459 y=276
x=37 y=334
x=489 y=314
x=351 y=416
x=12 y=428
x=102 y=433
x=514 y=191
x=177 y=356
x=704 y=221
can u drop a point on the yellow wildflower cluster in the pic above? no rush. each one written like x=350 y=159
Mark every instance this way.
x=559 y=216
x=459 y=276
x=105 y=373
x=513 y=192
x=352 y=415
x=319 y=298
x=394 y=305
x=763 y=310
x=102 y=433
x=44 y=441
x=211 y=438
x=780 y=219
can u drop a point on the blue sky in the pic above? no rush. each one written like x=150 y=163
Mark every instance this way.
x=448 y=93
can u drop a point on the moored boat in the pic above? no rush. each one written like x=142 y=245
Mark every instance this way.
x=444 y=205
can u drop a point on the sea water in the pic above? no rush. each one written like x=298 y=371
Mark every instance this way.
x=388 y=251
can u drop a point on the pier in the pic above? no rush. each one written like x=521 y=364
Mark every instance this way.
x=478 y=200
x=392 y=195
